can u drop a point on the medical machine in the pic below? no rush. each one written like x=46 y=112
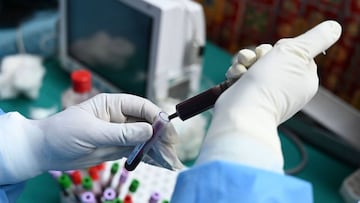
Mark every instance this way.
x=151 y=48
x=330 y=124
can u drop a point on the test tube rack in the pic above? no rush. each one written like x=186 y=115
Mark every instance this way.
x=146 y=184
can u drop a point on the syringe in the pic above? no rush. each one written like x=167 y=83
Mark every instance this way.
x=201 y=102
x=184 y=110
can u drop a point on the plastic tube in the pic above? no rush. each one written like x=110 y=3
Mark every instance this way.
x=159 y=126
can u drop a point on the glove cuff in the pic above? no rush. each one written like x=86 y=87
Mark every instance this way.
x=18 y=149
x=245 y=150
x=249 y=138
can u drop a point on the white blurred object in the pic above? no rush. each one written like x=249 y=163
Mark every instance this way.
x=191 y=135
x=103 y=50
x=350 y=188
x=191 y=132
x=41 y=113
x=21 y=74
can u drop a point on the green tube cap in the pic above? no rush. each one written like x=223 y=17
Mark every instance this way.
x=64 y=181
x=87 y=183
x=114 y=168
x=134 y=185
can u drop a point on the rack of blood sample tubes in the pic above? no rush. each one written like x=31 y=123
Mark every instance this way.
x=110 y=182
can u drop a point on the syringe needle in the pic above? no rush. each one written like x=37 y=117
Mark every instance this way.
x=174 y=115
x=201 y=102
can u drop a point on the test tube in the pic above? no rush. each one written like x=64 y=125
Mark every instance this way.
x=128 y=199
x=65 y=184
x=122 y=179
x=100 y=168
x=87 y=183
x=159 y=126
x=96 y=185
x=76 y=179
x=109 y=194
x=154 y=198
x=55 y=174
x=66 y=187
x=114 y=169
x=117 y=200
x=88 y=197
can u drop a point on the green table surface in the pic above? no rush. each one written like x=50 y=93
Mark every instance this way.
x=324 y=172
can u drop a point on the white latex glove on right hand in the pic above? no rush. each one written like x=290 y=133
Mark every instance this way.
x=280 y=83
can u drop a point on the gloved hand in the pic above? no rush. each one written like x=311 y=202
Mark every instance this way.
x=84 y=135
x=278 y=84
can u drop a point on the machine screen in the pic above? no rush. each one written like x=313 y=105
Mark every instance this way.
x=111 y=39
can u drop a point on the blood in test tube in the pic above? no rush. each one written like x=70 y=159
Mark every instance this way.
x=114 y=169
x=122 y=179
x=159 y=128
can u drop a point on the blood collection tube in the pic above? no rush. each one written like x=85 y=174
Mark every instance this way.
x=76 y=179
x=87 y=183
x=96 y=185
x=55 y=174
x=66 y=187
x=159 y=126
x=128 y=199
x=69 y=172
x=154 y=198
x=117 y=200
x=109 y=194
x=65 y=184
x=88 y=197
x=114 y=169
x=122 y=179
x=201 y=102
x=100 y=168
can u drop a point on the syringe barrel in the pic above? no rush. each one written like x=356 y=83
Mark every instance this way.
x=201 y=102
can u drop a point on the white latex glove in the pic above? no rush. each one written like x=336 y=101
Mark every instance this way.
x=278 y=84
x=80 y=136
x=244 y=59
x=21 y=74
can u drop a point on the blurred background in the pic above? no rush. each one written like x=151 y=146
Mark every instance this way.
x=321 y=144
x=234 y=24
